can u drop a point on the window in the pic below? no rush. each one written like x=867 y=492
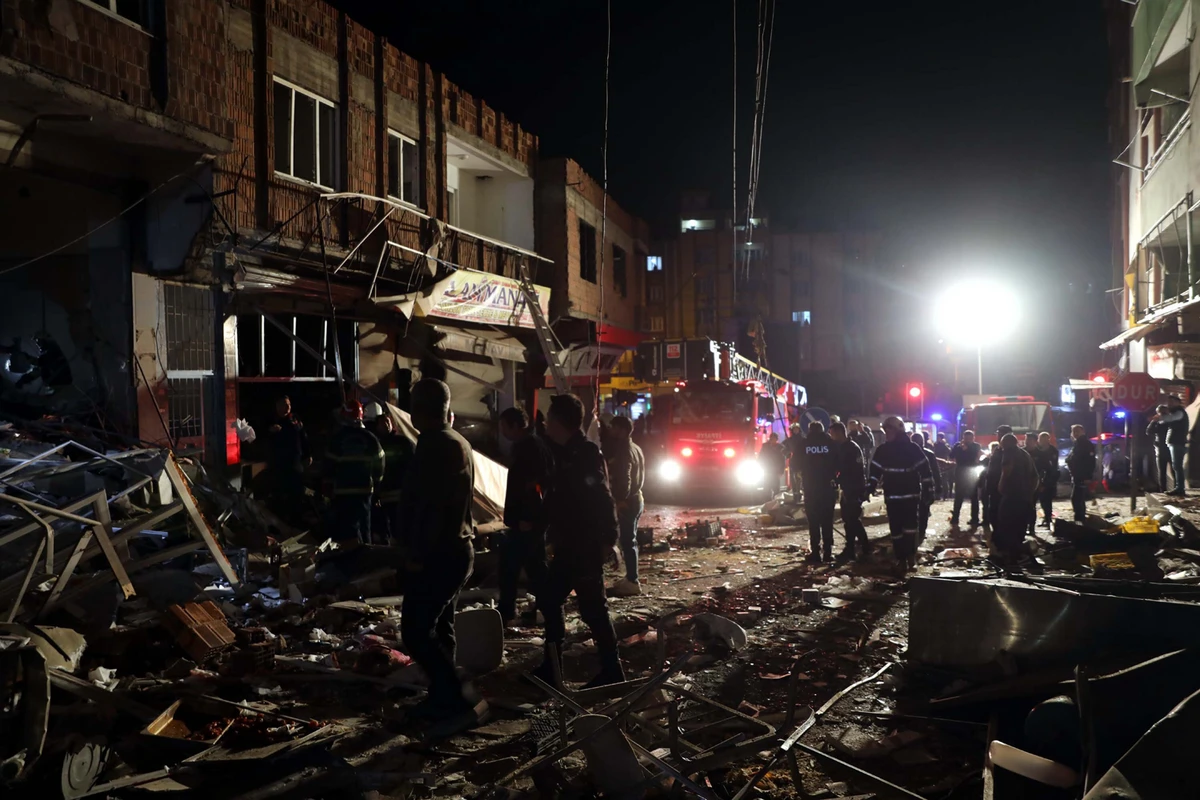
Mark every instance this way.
x=655 y=294
x=452 y=206
x=803 y=317
x=706 y=316
x=402 y=168
x=704 y=286
x=697 y=225
x=653 y=263
x=657 y=324
x=619 y=277
x=705 y=256
x=587 y=252
x=799 y=258
x=304 y=135
x=132 y=10
x=800 y=288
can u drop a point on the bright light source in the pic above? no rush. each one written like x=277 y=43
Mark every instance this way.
x=730 y=452
x=936 y=417
x=956 y=314
x=914 y=391
x=750 y=473
x=686 y=452
x=1099 y=379
x=1118 y=415
x=670 y=470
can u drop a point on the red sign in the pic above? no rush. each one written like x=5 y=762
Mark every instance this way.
x=1135 y=391
x=673 y=351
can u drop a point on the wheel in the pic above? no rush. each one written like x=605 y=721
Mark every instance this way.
x=82 y=769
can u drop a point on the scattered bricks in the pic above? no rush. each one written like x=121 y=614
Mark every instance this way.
x=200 y=629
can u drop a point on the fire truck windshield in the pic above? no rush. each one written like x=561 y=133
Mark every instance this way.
x=1023 y=417
x=710 y=406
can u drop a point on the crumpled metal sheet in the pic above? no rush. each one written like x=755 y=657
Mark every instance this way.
x=971 y=623
x=1161 y=766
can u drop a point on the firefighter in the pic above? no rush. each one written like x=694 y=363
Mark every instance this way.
x=991 y=485
x=289 y=456
x=818 y=468
x=965 y=455
x=582 y=530
x=1082 y=464
x=851 y=479
x=437 y=528
x=524 y=545
x=1045 y=458
x=1157 y=431
x=903 y=470
x=397 y=455
x=354 y=465
x=935 y=470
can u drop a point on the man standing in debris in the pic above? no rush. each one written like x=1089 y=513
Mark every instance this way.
x=818 y=468
x=397 y=455
x=582 y=530
x=992 y=479
x=851 y=478
x=1018 y=487
x=524 y=545
x=437 y=529
x=793 y=450
x=288 y=457
x=1082 y=465
x=1045 y=459
x=1178 y=428
x=935 y=471
x=354 y=464
x=1157 y=431
x=627 y=472
x=771 y=458
x=967 y=469
x=904 y=472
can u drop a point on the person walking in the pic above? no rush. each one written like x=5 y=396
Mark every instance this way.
x=935 y=471
x=397 y=455
x=851 y=479
x=1157 y=432
x=582 y=530
x=772 y=459
x=524 y=544
x=818 y=468
x=1045 y=459
x=1082 y=465
x=901 y=467
x=354 y=466
x=992 y=479
x=288 y=457
x=1178 y=429
x=437 y=529
x=1018 y=488
x=627 y=472
x=966 y=454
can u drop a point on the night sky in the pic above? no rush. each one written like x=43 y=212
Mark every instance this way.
x=977 y=132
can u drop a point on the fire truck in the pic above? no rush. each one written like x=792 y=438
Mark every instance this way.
x=1023 y=413
x=713 y=411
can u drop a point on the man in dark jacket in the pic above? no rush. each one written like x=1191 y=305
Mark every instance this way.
x=354 y=465
x=1157 y=432
x=866 y=442
x=1018 y=487
x=582 y=530
x=436 y=529
x=1082 y=465
x=771 y=456
x=524 y=545
x=397 y=455
x=967 y=469
x=1045 y=459
x=851 y=479
x=1178 y=428
x=903 y=470
x=927 y=498
x=941 y=448
x=818 y=469
x=627 y=474
x=992 y=479
x=288 y=457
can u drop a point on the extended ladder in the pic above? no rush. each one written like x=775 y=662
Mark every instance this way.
x=551 y=346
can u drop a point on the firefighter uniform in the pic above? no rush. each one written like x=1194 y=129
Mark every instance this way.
x=851 y=478
x=818 y=471
x=903 y=470
x=354 y=465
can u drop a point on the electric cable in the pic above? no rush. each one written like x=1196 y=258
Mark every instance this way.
x=604 y=199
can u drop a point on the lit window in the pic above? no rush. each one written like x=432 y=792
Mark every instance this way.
x=803 y=317
x=304 y=135
x=132 y=10
x=402 y=168
x=653 y=263
x=697 y=225
x=657 y=324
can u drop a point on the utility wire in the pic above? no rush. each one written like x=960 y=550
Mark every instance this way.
x=733 y=232
x=604 y=199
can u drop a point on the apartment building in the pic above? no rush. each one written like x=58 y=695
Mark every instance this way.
x=264 y=195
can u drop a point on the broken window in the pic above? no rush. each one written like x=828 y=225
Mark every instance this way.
x=190 y=335
x=304 y=135
x=402 y=168
x=619 y=277
x=131 y=10
x=587 y=252
x=268 y=354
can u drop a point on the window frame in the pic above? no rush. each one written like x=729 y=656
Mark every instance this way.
x=109 y=8
x=620 y=277
x=589 y=272
x=319 y=101
x=393 y=133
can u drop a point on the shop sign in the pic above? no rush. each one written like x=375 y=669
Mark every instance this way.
x=484 y=298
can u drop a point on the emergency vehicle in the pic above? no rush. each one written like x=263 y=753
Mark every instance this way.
x=1024 y=414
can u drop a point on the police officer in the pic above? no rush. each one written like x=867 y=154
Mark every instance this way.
x=927 y=498
x=903 y=470
x=397 y=455
x=1157 y=431
x=851 y=478
x=288 y=457
x=818 y=469
x=354 y=465
x=1045 y=459
x=1082 y=464
x=992 y=479
x=965 y=455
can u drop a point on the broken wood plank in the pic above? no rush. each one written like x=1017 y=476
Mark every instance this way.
x=64 y=577
x=89 y=691
x=103 y=529
x=175 y=474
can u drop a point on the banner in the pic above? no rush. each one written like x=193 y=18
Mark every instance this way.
x=1178 y=361
x=485 y=298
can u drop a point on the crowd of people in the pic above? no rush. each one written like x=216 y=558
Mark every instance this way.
x=568 y=506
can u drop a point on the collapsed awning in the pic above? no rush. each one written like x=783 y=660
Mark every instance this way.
x=1133 y=334
x=471 y=296
x=489 y=344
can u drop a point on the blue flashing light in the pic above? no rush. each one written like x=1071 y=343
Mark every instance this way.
x=936 y=417
x=1118 y=415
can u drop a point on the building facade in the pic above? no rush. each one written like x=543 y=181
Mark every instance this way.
x=266 y=197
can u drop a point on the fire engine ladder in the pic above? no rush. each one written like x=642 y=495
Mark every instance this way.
x=551 y=346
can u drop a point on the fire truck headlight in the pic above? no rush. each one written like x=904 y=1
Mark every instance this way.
x=730 y=452
x=750 y=473
x=670 y=470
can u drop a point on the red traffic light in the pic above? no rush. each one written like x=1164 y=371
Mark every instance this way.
x=914 y=391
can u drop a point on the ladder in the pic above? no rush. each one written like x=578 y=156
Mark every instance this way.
x=550 y=344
